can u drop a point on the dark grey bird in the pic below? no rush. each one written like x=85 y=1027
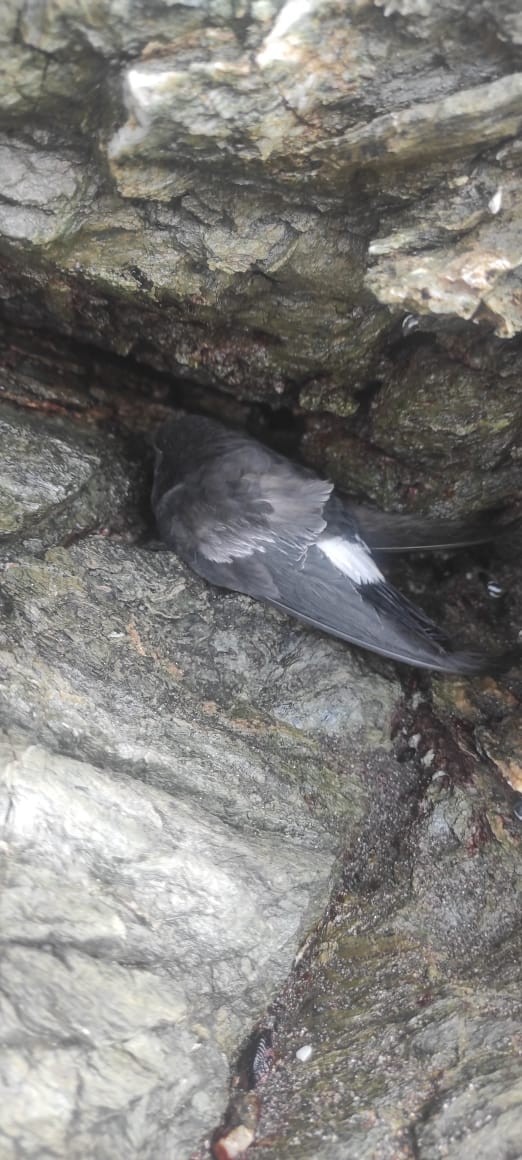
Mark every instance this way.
x=248 y=519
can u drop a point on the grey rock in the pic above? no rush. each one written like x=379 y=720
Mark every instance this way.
x=118 y=635
x=136 y=934
x=412 y=1006
x=262 y=184
x=178 y=768
x=55 y=479
x=42 y=193
x=253 y=202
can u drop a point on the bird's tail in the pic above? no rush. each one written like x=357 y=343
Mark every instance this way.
x=493 y=664
x=396 y=532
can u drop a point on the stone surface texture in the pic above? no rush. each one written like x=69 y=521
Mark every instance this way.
x=178 y=769
x=253 y=197
x=305 y=218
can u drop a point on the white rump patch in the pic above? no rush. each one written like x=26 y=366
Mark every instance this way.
x=351 y=557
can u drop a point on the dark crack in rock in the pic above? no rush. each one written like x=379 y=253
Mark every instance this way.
x=410 y=1003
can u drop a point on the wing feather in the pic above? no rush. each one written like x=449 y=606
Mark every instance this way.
x=246 y=501
x=374 y=616
x=247 y=519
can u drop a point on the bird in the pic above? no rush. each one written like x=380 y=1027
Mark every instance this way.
x=246 y=518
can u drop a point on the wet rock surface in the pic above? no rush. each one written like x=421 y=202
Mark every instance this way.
x=398 y=1031
x=409 y=1002
x=304 y=219
x=184 y=775
x=54 y=479
x=254 y=200
x=178 y=770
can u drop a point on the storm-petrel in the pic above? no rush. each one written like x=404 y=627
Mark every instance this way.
x=246 y=518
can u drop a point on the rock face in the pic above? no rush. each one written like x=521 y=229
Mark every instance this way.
x=411 y=1005
x=306 y=218
x=178 y=767
x=253 y=198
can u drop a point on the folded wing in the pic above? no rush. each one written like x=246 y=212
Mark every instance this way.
x=245 y=501
x=247 y=519
x=373 y=615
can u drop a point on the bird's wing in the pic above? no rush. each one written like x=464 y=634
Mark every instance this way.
x=370 y=613
x=247 y=500
x=252 y=521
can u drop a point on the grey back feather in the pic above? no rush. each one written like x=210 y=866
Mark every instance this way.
x=247 y=499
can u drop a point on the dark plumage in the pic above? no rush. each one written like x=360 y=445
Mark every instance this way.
x=248 y=519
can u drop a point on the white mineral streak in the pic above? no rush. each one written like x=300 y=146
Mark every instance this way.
x=278 y=45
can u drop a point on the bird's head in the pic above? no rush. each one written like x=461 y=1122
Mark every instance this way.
x=183 y=444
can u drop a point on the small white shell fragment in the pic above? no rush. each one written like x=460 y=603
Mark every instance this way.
x=495 y=202
x=304 y=1053
x=409 y=323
